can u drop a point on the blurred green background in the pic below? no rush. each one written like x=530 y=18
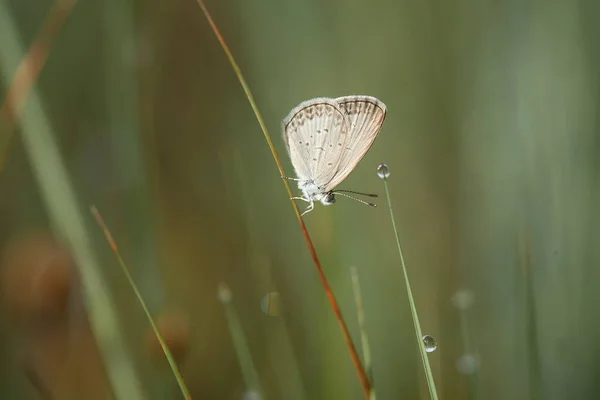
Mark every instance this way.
x=492 y=142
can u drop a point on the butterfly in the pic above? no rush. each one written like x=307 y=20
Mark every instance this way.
x=326 y=138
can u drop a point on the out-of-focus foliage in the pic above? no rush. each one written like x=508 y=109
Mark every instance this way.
x=492 y=142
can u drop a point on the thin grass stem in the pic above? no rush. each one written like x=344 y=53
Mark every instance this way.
x=468 y=352
x=171 y=360
x=284 y=359
x=242 y=351
x=531 y=324
x=364 y=380
x=364 y=339
x=411 y=300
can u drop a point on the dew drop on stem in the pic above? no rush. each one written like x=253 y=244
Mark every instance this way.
x=430 y=343
x=383 y=171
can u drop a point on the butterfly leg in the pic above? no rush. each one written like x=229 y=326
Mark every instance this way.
x=300 y=198
x=311 y=206
x=291 y=179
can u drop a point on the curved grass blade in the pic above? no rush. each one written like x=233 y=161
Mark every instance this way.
x=28 y=70
x=161 y=340
x=360 y=370
x=68 y=223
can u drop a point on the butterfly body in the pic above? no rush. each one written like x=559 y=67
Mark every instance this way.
x=326 y=138
x=315 y=193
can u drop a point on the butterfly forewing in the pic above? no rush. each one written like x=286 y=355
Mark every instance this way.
x=366 y=115
x=316 y=134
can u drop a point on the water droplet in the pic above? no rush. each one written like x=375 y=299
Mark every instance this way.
x=224 y=294
x=467 y=364
x=383 y=171
x=463 y=299
x=251 y=395
x=430 y=343
x=271 y=304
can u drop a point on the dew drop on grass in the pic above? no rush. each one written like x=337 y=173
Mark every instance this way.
x=430 y=343
x=224 y=294
x=467 y=364
x=271 y=304
x=383 y=171
x=463 y=299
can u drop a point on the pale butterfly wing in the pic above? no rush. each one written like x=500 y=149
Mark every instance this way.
x=316 y=134
x=366 y=115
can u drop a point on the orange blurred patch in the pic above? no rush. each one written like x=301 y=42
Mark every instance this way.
x=36 y=276
x=175 y=330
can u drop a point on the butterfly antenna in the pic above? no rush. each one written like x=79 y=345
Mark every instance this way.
x=363 y=194
x=354 y=198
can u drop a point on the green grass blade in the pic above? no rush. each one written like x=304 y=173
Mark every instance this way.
x=68 y=223
x=364 y=338
x=411 y=300
x=249 y=372
x=28 y=71
x=171 y=360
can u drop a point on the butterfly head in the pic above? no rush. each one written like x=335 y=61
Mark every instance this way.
x=328 y=199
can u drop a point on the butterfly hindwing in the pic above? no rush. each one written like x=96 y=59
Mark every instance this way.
x=366 y=115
